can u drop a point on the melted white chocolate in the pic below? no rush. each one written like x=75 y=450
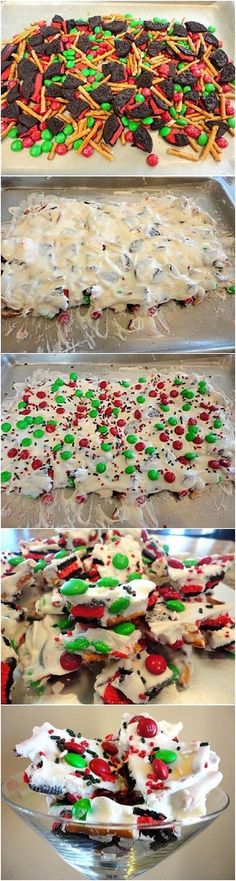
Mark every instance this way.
x=143 y=252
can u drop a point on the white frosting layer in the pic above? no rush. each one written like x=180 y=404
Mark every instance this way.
x=157 y=466
x=104 y=555
x=146 y=252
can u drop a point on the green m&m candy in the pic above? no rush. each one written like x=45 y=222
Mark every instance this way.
x=80 y=808
x=6 y=426
x=150 y=450
x=73 y=587
x=210 y=438
x=134 y=576
x=16 y=145
x=124 y=628
x=69 y=439
x=153 y=474
x=40 y=565
x=101 y=647
x=75 y=760
x=130 y=469
x=107 y=582
x=166 y=755
x=6 y=476
x=131 y=438
x=101 y=467
x=128 y=454
x=65 y=455
x=120 y=561
x=14 y=561
x=77 y=645
x=190 y=562
x=175 y=605
x=119 y=605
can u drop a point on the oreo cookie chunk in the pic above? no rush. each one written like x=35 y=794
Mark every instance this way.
x=219 y=58
x=156 y=47
x=227 y=74
x=195 y=27
x=26 y=69
x=156 y=125
x=7 y=671
x=26 y=120
x=122 y=48
x=84 y=44
x=142 y=139
x=48 y=49
x=54 y=69
x=167 y=86
x=27 y=89
x=47 y=31
x=140 y=111
x=71 y=82
x=13 y=94
x=7 y=52
x=186 y=78
x=35 y=40
x=194 y=97
x=76 y=107
x=211 y=39
x=114 y=70
x=112 y=129
x=181 y=140
x=144 y=80
x=70 y=23
x=179 y=30
x=116 y=27
x=95 y=21
x=155 y=26
x=54 y=91
x=11 y=111
x=102 y=94
x=55 y=125
x=121 y=99
x=211 y=102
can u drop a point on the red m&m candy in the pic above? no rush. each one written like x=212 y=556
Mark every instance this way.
x=155 y=664
x=160 y=769
x=147 y=727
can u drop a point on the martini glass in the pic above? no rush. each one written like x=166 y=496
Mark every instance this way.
x=108 y=851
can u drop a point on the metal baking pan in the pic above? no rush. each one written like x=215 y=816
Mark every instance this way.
x=16 y=15
x=213 y=677
x=215 y=506
x=206 y=327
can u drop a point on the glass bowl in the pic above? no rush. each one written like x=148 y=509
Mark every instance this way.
x=110 y=851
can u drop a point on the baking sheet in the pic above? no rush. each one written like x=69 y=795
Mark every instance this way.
x=220 y=14
x=206 y=327
x=215 y=506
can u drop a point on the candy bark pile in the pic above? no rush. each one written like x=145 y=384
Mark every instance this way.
x=143 y=775
x=135 y=438
x=110 y=610
x=84 y=85
x=122 y=255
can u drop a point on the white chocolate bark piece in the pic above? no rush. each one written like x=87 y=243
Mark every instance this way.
x=219 y=639
x=133 y=679
x=205 y=573
x=193 y=768
x=150 y=415
x=136 y=251
x=170 y=626
x=15 y=578
x=13 y=626
x=52 y=771
x=68 y=565
x=126 y=601
x=105 y=556
x=50 y=603
x=104 y=642
x=39 y=657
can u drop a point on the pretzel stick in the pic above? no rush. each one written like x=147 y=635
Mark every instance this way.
x=209 y=145
x=28 y=110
